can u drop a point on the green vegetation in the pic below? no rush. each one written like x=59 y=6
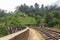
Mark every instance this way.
x=48 y=16
x=15 y=20
x=24 y=15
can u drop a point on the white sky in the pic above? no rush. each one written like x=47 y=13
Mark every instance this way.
x=10 y=5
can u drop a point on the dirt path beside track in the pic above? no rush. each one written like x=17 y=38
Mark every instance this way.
x=34 y=35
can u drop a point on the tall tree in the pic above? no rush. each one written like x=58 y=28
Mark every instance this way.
x=36 y=6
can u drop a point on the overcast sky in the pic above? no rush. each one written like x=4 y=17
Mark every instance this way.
x=10 y=5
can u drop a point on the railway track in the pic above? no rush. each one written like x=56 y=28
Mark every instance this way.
x=50 y=34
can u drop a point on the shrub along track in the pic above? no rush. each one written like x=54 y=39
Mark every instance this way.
x=49 y=34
